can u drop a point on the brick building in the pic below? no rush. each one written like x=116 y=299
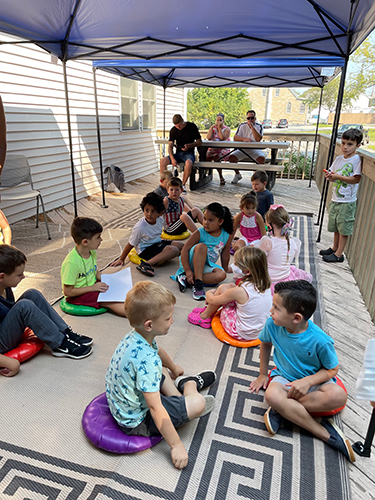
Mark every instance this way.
x=277 y=103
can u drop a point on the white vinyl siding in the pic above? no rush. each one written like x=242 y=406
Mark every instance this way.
x=32 y=90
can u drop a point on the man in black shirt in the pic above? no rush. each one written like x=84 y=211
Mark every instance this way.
x=186 y=137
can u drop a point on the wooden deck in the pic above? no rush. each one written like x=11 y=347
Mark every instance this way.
x=348 y=320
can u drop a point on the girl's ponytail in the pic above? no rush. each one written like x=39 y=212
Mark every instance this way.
x=222 y=213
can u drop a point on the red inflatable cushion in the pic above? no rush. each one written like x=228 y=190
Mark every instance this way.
x=27 y=348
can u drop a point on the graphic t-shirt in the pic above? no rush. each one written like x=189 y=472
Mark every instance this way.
x=77 y=271
x=187 y=135
x=342 y=192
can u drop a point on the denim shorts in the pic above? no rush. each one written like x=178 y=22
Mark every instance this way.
x=182 y=156
x=176 y=409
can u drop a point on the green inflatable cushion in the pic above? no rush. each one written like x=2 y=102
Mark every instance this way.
x=80 y=310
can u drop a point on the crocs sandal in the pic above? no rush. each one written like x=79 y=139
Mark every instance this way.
x=145 y=268
x=195 y=319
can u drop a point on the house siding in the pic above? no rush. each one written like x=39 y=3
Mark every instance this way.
x=32 y=90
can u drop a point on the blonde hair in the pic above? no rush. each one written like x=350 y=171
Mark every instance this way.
x=147 y=300
x=254 y=261
x=279 y=218
x=167 y=174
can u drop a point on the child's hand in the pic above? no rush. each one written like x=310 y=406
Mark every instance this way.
x=298 y=389
x=100 y=286
x=179 y=456
x=260 y=383
x=190 y=277
x=177 y=371
x=12 y=368
x=118 y=262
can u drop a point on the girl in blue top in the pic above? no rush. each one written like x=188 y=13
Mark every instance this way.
x=202 y=250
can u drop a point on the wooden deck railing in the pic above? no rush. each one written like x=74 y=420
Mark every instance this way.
x=360 y=250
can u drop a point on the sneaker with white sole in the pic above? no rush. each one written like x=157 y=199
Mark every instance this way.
x=175 y=172
x=76 y=337
x=184 y=189
x=209 y=405
x=203 y=380
x=273 y=420
x=71 y=349
x=182 y=282
x=198 y=290
x=337 y=439
x=236 y=178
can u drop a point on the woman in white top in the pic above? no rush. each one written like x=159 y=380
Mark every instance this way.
x=246 y=306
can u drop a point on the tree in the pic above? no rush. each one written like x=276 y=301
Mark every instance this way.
x=204 y=104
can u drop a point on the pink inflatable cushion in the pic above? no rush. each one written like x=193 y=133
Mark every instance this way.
x=103 y=431
x=27 y=348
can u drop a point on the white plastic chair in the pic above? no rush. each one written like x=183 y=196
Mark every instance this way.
x=16 y=172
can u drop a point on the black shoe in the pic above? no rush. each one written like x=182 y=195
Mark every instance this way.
x=326 y=252
x=71 y=349
x=273 y=420
x=203 y=380
x=182 y=282
x=337 y=439
x=333 y=258
x=198 y=290
x=76 y=337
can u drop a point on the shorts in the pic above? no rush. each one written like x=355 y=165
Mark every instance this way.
x=178 y=227
x=313 y=388
x=252 y=153
x=182 y=156
x=153 y=250
x=89 y=299
x=176 y=409
x=341 y=217
x=228 y=318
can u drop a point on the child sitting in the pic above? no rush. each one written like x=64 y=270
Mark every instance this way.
x=140 y=391
x=280 y=248
x=259 y=181
x=80 y=277
x=162 y=189
x=249 y=221
x=146 y=237
x=5 y=231
x=203 y=248
x=176 y=220
x=245 y=306
x=31 y=310
x=306 y=364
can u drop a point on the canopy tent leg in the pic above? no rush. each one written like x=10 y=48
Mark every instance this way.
x=165 y=89
x=99 y=141
x=70 y=139
x=316 y=136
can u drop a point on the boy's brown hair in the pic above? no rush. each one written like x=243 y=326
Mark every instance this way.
x=175 y=181
x=84 y=228
x=10 y=258
x=147 y=300
x=259 y=175
x=167 y=174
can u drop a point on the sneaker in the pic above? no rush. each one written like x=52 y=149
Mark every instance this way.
x=333 y=258
x=236 y=178
x=203 y=380
x=209 y=405
x=184 y=189
x=71 y=349
x=76 y=337
x=198 y=290
x=273 y=420
x=182 y=282
x=326 y=252
x=337 y=438
x=175 y=172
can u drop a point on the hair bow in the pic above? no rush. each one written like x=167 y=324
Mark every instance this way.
x=275 y=207
x=287 y=227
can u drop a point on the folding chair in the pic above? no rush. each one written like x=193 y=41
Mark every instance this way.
x=16 y=173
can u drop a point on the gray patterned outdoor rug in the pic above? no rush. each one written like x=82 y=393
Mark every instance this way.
x=45 y=456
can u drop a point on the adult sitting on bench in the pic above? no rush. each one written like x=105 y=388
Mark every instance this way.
x=249 y=131
x=187 y=137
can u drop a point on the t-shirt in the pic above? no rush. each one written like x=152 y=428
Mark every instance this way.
x=342 y=192
x=265 y=200
x=6 y=303
x=245 y=131
x=145 y=234
x=161 y=191
x=135 y=368
x=298 y=355
x=77 y=271
x=187 y=135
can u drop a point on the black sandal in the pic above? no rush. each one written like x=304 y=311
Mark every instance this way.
x=145 y=268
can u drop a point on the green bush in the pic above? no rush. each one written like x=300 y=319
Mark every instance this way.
x=298 y=163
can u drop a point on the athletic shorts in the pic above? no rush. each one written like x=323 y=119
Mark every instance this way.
x=89 y=299
x=153 y=250
x=178 y=227
x=313 y=388
x=341 y=217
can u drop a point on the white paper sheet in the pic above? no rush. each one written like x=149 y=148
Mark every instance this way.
x=119 y=284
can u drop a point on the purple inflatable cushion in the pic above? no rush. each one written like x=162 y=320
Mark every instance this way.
x=103 y=431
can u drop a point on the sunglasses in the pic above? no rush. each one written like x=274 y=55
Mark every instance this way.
x=250 y=117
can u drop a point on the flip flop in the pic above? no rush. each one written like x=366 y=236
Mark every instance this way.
x=145 y=268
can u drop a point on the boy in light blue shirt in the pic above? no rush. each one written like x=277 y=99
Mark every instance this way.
x=306 y=364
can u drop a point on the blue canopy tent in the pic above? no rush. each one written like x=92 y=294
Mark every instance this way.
x=145 y=30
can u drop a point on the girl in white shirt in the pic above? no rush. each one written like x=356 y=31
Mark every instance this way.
x=246 y=306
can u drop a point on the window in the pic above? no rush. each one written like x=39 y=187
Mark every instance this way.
x=302 y=108
x=264 y=92
x=149 y=105
x=289 y=107
x=277 y=92
x=129 y=104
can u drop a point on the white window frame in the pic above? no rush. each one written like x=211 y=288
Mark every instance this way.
x=137 y=102
x=264 y=92
x=302 y=108
x=277 y=92
x=289 y=107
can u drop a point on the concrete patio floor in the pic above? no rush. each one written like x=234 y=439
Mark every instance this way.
x=347 y=318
